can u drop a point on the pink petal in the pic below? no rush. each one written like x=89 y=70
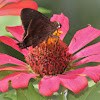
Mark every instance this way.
x=13 y=68
x=16 y=31
x=83 y=37
x=4 y=59
x=93 y=58
x=63 y=20
x=74 y=83
x=90 y=50
x=1 y=1
x=22 y=80
x=15 y=8
x=18 y=80
x=7 y=1
x=13 y=43
x=48 y=85
x=93 y=72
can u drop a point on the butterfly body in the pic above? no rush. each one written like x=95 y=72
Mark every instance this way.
x=37 y=28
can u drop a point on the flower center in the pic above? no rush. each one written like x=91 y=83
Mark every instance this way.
x=49 y=58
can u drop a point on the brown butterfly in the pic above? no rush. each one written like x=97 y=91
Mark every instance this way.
x=37 y=28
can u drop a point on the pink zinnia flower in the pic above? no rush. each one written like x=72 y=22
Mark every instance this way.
x=15 y=6
x=51 y=61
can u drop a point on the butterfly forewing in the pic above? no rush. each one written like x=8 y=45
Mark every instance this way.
x=28 y=14
x=37 y=28
x=38 y=31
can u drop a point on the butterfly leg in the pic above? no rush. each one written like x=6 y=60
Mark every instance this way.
x=56 y=41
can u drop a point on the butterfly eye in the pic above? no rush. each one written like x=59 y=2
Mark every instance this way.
x=59 y=25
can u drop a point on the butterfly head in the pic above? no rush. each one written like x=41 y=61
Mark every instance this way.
x=57 y=24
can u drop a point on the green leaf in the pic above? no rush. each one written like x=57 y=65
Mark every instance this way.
x=43 y=10
x=2 y=96
x=90 y=93
x=59 y=97
x=8 y=95
x=29 y=94
x=5 y=73
x=11 y=96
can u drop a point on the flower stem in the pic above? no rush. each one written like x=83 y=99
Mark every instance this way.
x=64 y=93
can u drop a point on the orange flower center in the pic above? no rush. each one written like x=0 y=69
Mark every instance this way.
x=49 y=58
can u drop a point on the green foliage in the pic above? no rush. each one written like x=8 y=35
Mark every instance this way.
x=2 y=96
x=29 y=94
x=90 y=93
x=10 y=95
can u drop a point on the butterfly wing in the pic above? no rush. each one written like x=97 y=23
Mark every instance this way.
x=27 y=15
x=38 y=31
x=37 y=28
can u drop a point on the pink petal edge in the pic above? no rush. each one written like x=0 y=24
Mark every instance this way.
x=90 y=50
x=14 y=9
x=13 y=43
x=4 y=59
x=16 y=31
x=92 y=71
x=48 y=85
x=18 y=80
x=92 y=58
x=14 y=68
x=63 y=20
x=74 y=83
x=83 y=37
x=7 y=1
